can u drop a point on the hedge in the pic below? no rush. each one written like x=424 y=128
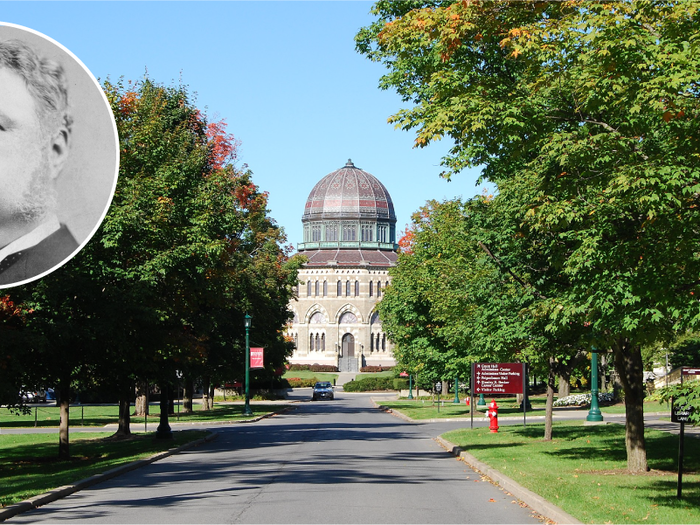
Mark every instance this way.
x=373 y=368
x=401 y=383
x=314 y=368
x=297 y=382
x=369 y=383
x=323 y=368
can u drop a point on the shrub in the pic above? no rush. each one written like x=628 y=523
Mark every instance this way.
x=368 y=384
x=580 y=400
x=373 y=368
x=299 y=367
x=401 y=383
x=323 y=368
x=296 y=382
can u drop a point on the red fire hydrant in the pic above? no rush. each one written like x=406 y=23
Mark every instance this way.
x=493 y=416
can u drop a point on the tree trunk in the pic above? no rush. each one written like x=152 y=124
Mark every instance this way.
x=549 y=409
x=564 y=384
x=188 y=394
x=205 y=392
x=630 y=369
x=141 y=404
x=124 y=429
x=211 y=396
x=63 y=424
x=172 y=397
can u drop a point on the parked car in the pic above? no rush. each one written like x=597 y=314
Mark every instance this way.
x=322 y=390
x=34 y=396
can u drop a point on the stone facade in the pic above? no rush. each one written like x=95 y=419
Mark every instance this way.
x=349 y=241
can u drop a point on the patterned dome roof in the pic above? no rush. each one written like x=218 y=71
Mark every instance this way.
x=349 y=193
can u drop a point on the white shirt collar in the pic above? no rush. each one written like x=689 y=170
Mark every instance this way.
x=34 y=237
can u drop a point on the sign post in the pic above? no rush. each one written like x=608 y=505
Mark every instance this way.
x=438 y=389
x=681 y=414
x=500 y=378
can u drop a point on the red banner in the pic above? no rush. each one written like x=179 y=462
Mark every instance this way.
x=256 y=358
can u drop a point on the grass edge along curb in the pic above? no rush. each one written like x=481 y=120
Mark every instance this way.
x=532 y=500
x=393 y=412
x=66 y=490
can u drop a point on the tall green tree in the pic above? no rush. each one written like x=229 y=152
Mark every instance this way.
x=585 y=113
x=185 y=250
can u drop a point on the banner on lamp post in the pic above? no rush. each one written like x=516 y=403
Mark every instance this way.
x=256 y=358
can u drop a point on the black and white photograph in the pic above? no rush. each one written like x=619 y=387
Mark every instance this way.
x=58 y=155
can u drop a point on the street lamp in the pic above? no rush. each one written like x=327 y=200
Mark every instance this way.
x=248 y=321
x=594 y=413
x=410 y=386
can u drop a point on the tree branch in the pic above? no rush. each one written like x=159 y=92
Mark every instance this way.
x=512 y=274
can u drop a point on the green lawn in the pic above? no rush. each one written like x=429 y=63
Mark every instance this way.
x=308 y=374
x=583 y=470
x=99 y=416
x=385 y=373
x=425 y=408
x=649 y=406
x=29 y=465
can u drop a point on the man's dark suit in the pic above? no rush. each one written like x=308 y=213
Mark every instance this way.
x=33 y=261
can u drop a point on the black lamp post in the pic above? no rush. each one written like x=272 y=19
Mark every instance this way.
x=248 y=321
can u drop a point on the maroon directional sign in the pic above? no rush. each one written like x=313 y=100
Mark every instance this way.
x=498 y=378
x=690 y=371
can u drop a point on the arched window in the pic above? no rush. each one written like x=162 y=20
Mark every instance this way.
x=377 y=344
x=316 y=289
x=347 y=318
x=370 y=288
x=323 y=342
x=340 y=289
x=371 y=344
x=311 y=343
x=383 y=343
x=318 y=347
x=379 y=288
x=325 y=288
x=357 y=288
x=347 y=288
x=317 y=318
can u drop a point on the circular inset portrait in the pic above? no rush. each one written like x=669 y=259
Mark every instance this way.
x=59 y=155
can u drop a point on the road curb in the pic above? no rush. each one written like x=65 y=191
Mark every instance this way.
x=61 y=492
x=532 y=500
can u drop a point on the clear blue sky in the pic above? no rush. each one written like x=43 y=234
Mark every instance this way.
x=284 y=75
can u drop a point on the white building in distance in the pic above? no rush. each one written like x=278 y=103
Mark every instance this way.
x=350 y=243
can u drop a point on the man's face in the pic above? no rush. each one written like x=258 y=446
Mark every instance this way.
x=26 y=192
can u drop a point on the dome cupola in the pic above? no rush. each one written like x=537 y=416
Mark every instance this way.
x=349 y=209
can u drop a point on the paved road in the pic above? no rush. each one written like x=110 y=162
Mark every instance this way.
x=337 y=461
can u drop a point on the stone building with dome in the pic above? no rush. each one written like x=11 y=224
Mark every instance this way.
x=350 y=244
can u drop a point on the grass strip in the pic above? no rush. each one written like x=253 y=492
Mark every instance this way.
x=427 y=409
x=308 y=374
x=583 y=470
x=101 y=415
x=29 y=463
